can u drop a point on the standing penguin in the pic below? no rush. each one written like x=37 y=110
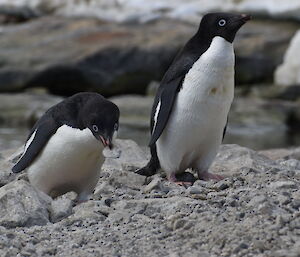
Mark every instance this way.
x=189 y=114
x=64 y=149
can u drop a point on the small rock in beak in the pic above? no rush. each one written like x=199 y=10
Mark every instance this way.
x=245 y=17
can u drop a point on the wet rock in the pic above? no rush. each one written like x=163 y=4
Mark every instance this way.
x=135 y=111
x=24 y=109
x=288 y=73
x=22 y=205
x=12 y=15
x=254 y=119
x=72 y=54
x=260 y=44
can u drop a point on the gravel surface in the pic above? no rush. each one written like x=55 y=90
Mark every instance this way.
x=254 y=211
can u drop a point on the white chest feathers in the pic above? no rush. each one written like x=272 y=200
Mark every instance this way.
x=71 y=160
x=212 y=75
x=195 y=127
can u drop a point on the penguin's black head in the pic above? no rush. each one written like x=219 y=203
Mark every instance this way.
x=222 y=24
x=102 y=118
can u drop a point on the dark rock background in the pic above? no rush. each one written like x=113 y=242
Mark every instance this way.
x=71 y=55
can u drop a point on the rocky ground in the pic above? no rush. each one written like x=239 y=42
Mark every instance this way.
x=254 y=211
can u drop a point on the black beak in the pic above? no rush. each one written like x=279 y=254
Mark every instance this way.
x=106 y=142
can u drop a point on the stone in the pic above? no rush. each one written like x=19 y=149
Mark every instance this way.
x=282 y=184
x=154 y=184
x=142 y=53
x=60 y=208
x=288 y=73
x=140 y=11
x=22 y=205
x=131 y=157
x=275 y=154
x=232 y=158
x=85 y=214
x=261 y=44
x=252 y=120
x=6 y=174
x=24 y=109
x=85 y=45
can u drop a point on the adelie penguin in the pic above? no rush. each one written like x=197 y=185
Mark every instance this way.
x=189 y=114
x=63 y=151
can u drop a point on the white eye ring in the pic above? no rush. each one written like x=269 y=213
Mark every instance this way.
x=222 y=22
x=116 y=126
x=95 y=128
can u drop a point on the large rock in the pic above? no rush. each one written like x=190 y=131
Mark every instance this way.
x=129 y=156
x=253 y=120
x=72 y=55
x=24 y=109
x=288 y=73
x=22 y=205
x=261 y=44
x=141 y=11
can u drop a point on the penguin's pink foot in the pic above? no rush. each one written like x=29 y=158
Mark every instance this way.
x=209 y=176
x=185 y=179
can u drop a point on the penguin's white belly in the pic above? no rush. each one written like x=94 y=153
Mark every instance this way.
x=195 y=127
x=71 y=160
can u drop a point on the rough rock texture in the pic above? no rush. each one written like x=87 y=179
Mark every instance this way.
x=255 y=211
x=141 y=11
x=288 y=73
x=22 y=205
x=71 y=55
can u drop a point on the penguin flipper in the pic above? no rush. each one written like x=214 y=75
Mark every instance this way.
x=38 y=138
x=163 y=108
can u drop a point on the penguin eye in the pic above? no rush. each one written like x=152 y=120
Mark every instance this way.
x=95 y=128
x=116 y=126
x=222 y=22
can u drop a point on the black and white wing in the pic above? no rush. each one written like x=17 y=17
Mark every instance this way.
x=38 y=138
x=169 y=87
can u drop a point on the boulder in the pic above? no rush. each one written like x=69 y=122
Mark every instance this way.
x=82 y=54
x=130 y=158
x=22 y=206
x=261 y=44
x=24 y=109
x=288 y=73
x=141 y=11
x=282 y=153
x=73 y=55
